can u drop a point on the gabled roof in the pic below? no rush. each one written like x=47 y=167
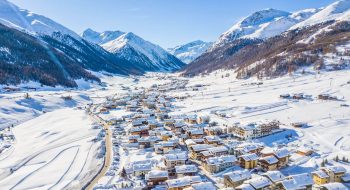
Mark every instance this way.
x=274 y=176
x=259 y=182
x=186 y=169
x=249 y=157
x=270 y=159
x=238 y=175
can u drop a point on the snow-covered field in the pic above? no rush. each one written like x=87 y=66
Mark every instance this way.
x=244 y=101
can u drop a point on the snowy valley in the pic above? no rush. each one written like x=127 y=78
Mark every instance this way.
x=265 y=107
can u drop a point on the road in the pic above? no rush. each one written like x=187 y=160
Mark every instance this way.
x=108 y=154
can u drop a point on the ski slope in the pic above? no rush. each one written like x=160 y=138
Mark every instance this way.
x=53 y=151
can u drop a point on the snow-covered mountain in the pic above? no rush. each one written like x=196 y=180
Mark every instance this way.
x=239 y=45
x=339 y=10
x=100 y=38
x=24 y=20
x=141 y=53
x=190 y=51
x=264 y=24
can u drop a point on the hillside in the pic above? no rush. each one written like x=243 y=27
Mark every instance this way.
x=190 y=51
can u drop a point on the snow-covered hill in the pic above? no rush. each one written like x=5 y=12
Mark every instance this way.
x=15 y=17
x=264 y=24
x=190 y=51
x=143 y=53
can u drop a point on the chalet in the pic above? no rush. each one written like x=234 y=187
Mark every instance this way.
x=283 y=157
x=166 y=135
x=185 y=170
x=259 y=183
x=214 y=151
x=169 y=124
x=156 y=177
x=304 y=151
x=335 y=173
x=141 y=130
x=147 y=142
x=195 y=133
x=212 y=131
x=182 y=183
x=164 y=147
x=236 y=178
x=268 y=163
x=162 y=116
x=248 y=161
x=248 y=148
x=140 y=170
x=213 y=140
x=196 y=150
x=300 y=181
x=172 y=160
x=320 y=177
x=220 y=163
x=132 y=108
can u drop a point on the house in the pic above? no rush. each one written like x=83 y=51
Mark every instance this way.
x=140 y=170
x=248 y=161
x=268 y=163
x=140 y=130
x=248 y=148
x=236 y=178
x=195 y=133
x=335 y=173
x=173 y=160
x=133 y=138
x=259 y=183
x=304 y=151
x=156 y=177
x=214 y=151
x=182 y=183
x=300 y=181
x=213 y=140
x=186 y=170
x=320 y=177
x=220 y=163
x=195 y=150
x=283 y=157
x=164 y=147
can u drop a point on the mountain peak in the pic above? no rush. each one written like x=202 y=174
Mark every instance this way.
x=190 y=51
x=100 y=38
x=263 y=16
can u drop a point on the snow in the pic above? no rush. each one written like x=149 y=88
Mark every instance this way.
x=51 y=151
x=339 y=10
x=190 y=51
x=158 y=57
x=21 y=19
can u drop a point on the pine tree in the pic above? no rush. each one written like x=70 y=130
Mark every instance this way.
x=337 y=158
x=323 y=164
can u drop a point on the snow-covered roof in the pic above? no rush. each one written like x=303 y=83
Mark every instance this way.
x=274 y=176
x=184 y=181
x=238 y=175
x=186 y=169
x=335 y=169
x=298 y=181
x=334 y=186
x=221 y=159
x=281 y=153
x=202 y=186
x=175 y=157
x=218 y=149
x=249 y=157
x=270 y=159
x=212 y=138
x=259 y=182
x=201 y=147
x=157 y=174
x=320 y=174
x=142 y=167
x=245 y=186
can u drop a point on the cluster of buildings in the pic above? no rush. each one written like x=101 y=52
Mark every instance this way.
x=184 y=152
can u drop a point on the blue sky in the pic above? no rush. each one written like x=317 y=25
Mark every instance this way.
x=164 y=22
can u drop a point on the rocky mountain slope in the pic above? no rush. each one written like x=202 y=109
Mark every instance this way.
x=139 y=52
x=262 y=29
x=190 y=51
